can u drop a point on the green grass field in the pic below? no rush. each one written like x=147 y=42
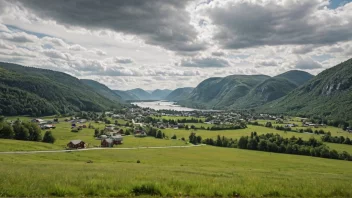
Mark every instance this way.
x=199 y=171
x=173 y=172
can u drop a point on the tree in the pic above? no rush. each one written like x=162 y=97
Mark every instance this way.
x=159 y=135
x=35 y=133
x=22 y=133
x=268 y=124
x=242 y=143
x=96 y=132
x=48 y=137
x=6 y=131
x=252 y=144
x=174 y=137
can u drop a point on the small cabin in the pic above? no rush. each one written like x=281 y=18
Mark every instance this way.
x=76 y=144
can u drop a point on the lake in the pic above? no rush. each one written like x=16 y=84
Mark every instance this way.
x=163 y=105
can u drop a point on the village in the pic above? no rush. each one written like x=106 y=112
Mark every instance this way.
x=137 y=120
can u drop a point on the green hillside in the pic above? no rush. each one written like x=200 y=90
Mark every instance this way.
x=273 y=88
x=33 y=91
x=160 y=94
x=222 y=92
x=126 y=95
x=141 y=94
x=102 y=90
x=328 y=95
x=179 y=94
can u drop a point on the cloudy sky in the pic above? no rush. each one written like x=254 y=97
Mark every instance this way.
x=176 y=43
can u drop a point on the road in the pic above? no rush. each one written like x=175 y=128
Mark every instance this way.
x=90 y=149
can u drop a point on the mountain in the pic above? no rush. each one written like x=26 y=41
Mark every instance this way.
x=126 y=95
x=329 y=94
x=160 y=94
x=102 y=90
x=33 y=91
x=273 y=88
x=141 y=94
x=179 y=94
x=221 y=92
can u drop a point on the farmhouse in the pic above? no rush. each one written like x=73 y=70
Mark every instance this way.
x=111 y=141
x=140 y=133
x=76 y=144
x=39 y=121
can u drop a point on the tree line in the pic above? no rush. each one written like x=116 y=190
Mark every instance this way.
x=275 y=143
x=336 y=139
x=27 y=131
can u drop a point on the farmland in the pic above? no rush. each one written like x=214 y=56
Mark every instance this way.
x=196 y=171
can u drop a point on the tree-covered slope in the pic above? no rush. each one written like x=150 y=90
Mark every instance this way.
x=273 y=88
x=328 y=94
x=57 y=92
x=179 y=94
x=126 y=95
x=141 y=94
x=160 y=94
x=102 y=90
x=222 y=92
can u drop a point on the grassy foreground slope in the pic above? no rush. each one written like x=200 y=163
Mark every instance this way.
x=200 y=171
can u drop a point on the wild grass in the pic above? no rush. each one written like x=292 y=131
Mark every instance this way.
x=198 y=171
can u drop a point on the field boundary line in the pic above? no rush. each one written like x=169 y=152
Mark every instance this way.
x=99 y=148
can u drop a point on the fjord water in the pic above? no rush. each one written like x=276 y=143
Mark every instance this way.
x=163 y=105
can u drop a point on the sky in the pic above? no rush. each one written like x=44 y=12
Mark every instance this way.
x=158 y=44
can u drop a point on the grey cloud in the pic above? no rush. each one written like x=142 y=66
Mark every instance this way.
x=158 y=22
x=205 y=62
x=55 y=41
x=266 y=63
x=18 y=37
x=51 y=53
x=100 y=52
x=122 y=60
x=244 y=24
x=307 y=64
x=3 y=45
x=218 y=53
x=303 y=49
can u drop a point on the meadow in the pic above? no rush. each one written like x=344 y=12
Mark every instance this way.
x=204 y=171
x=197 y=171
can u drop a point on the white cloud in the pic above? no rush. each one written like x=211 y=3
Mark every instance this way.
x=77 y=47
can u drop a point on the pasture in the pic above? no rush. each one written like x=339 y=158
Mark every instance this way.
x=198 y=171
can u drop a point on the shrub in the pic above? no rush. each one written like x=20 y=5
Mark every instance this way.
x=48 y=137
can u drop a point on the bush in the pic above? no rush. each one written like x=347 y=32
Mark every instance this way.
x=146 y=189
x=48 y=137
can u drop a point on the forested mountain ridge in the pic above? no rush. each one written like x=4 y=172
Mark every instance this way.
x=33 y=91
x=327 y=95
x=221 y=92
x=126 y=95
x=102 y=90
x=179 y=94
x=272 y=89
x=160 y=94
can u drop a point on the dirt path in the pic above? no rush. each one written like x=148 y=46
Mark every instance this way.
x=89 y=149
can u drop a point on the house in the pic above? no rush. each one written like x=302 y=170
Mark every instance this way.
x=107 y=142
x=76 y=144
x=139 y=133
x=110 y=142
x=39 y=121
x=47 y=126
x=290 y=125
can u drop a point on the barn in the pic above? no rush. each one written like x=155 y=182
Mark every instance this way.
x=76 y=144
